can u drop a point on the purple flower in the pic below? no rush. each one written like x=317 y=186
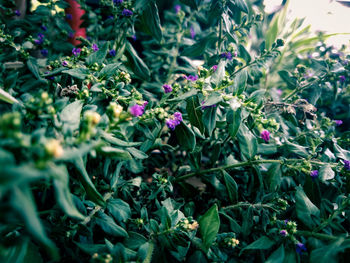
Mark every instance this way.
x=69 y=16
x=136 y=110
x=342 y=78
x=283 y=233
x=338 y=122
x=177 y=8
x=214 y=68
x=144 y=105
x=193 y=33
x=44 y=52
x=127 y=12
x=177 y=117
x=167 y=88
x=17 y=13
x=43 y=28
x=279 y=92
x=71 y=34
x=133 y=37
x=191 y=77
x=40 y=40
x=94 y=47
x=49 y=77
x=171 y=124
x=226 y=55
x=118 y=2
x=347 y=165
x=265 y=135
x=76 y=51
x=300 y=247
x=286 y=221
x=314 y=174
x=64 y=63
x=205 y=107
x=112 y=52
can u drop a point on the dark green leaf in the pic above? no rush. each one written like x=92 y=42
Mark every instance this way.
x=231 y=187
x=185 y=136
x=194 y=114
x=247 y=142
x=306 y=211
x=98 y=56
x=209 y=225
x=277 y=256
x=119 y=209
x=109 y=226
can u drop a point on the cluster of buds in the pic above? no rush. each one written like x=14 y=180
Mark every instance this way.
x=123 y=77
x=283 y=204
x=159 y=113
x=107 y=258
x=231 y=242
x=139 y=222
x=53 y=148
x=95 y=66
x=10 y=124
x=114 y=110
x=202 y=72
x=90 y=121
x=40 y=105
x=187 y=224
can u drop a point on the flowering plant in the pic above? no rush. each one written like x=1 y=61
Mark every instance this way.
x=163 y=138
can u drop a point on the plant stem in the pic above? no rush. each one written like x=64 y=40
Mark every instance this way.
x=316 y=235
x=97 y=208
x=246 y=163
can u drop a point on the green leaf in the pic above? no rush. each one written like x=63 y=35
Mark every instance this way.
x=274 y=176
x=212 y=99
x=326 y=172
x=150 y=21
x=79 y=73
x=199 y=47
x=219 y=74
x=5 y=96
x=288 y=78
x=244 y=53
x=306 y=211
x=111 y=139
x=98 y=56
x=234 y=120
x=209 y=225
x=329 y=254
x=109 y=226
x=137 y=153
x=277 y=256
x=209 y=119
x=136 y=64
x=63 y=195
x=241 y=4
x=22 y=201
x=135 y=240
x=297 y=149
x=119 y=209
x=248 y=143
x=70 y=116
x=240 y=83
x=184 y=96
x=33 y=67
x=109 y=70
x=87 y=183
x=115 y=153
x=194 y=114
x=262 y=243
x=231 y=187
x=185 y=136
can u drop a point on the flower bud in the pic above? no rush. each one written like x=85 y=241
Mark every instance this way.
x=54 y=148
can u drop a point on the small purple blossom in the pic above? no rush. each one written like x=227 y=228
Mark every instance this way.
x=69 y=16
x=286 y=221
x=43 y=28
x=342 y=78
x=178 y=117
x=283 y=233
x=133 y=37
x=127 y=12
x=112 y=52
x=17 y=13
x=347 y=165
x=171 y=124
x=338 y=122
x=177 y=8
x=94 y=47
x=279 y=92
x=49 y=77
x=214 y=68
x=136 y=110
x=64 y=63
x=226 y=55
x=314 y=174
x=76 y=51
x=44 y=52
x=192 y=32
x=167 y=88
x=265 y=135
x=191 y=77
x=300 y=248
x=40 y=39
x=118 y=2
x=144 y=105
x=71 y=34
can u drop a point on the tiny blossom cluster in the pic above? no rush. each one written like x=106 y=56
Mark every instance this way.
x=138 y=110
x=44 y=52
x=40 y=39
x=177 y=8
x=231 y=242
x=17 y=13
x=188 y=224
x=94 y=47
x=214 y=68
x=300 y=248
x=192 y=32
x=174 y=121
x=127 y=12
x=76 y=51
x=342 y=78
x=314 y=174
x=191 y=77
x=167 y=88
x=347 y=165
x=112 y=52
x=265 y=135
x=284 y=233
x=338 y=122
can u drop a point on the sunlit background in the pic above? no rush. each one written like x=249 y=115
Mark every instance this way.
x=323 y=15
